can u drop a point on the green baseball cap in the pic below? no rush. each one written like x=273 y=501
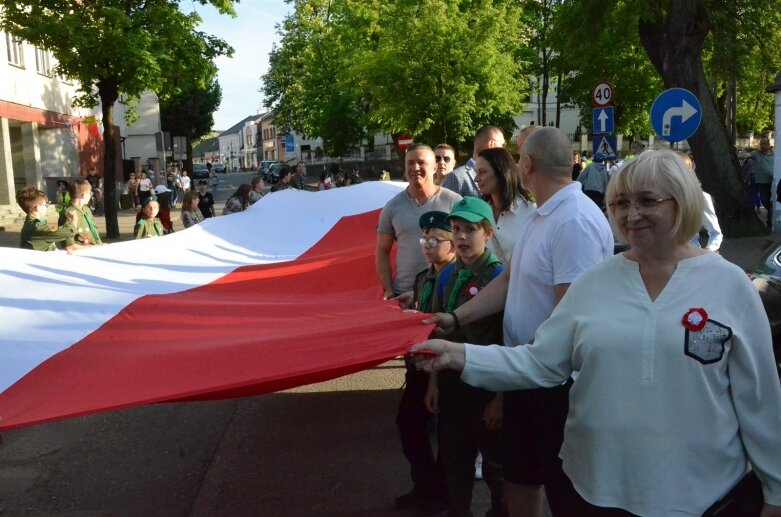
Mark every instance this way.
x=472 y=209
x=434 y=219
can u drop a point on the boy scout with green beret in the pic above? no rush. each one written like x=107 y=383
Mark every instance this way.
x=36 y=233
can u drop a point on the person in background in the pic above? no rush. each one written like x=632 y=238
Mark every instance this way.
x=205 y=200
x=577 y=164
x=594 y=179
x=445 y=156
x=299 y=178
x=238 y=201
x=164 y=204
x=214 y=182
x=355 y=175
x=132 y=189
x=96 y=182
x=709 y=219
x=148 y=225
x=63 y=198
x=284 y=179
x=325 y=183
x=677 y=404
x=511 y=204
x=172 y=182
x=36 y=233
x=257 y=190
x=762 y=162
x=145 y=188
x=191 y=215
x=184 y=180
x=462 y=180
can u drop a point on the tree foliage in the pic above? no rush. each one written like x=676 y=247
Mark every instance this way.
x=113 y=46
x=190 y=112
x=433 y=69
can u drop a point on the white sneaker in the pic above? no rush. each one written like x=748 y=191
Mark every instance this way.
x=479 y=466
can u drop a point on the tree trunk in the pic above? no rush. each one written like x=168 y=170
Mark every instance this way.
x=674 y=45
x=109 y=93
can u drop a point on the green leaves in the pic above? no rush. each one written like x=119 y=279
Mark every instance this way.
x=434 y=69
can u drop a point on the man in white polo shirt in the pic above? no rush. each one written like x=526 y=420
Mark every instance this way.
x=565 y=236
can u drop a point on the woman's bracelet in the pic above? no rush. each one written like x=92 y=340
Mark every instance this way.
x=455 y=319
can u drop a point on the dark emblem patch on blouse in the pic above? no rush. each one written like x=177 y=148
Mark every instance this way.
x=707 y=345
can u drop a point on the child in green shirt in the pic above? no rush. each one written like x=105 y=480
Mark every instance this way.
x=36 y=233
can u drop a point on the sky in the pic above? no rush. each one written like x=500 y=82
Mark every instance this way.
x=251 y=34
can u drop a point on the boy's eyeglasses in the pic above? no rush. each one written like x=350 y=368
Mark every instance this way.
x=431 y=242
x=447 y=159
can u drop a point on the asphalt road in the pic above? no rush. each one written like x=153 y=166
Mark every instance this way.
x=325 y=449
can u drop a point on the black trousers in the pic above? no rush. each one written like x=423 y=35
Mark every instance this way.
x=462 y=434
x=416 y=429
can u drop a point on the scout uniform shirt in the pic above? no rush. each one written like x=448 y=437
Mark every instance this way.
x=36 y=234
x=148 y=228
x=452 y=292
x=423 y=296
x=86 y=232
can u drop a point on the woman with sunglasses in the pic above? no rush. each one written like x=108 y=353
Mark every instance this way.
x=497 y=176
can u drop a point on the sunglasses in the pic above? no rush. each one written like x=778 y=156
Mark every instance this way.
x=447 y=159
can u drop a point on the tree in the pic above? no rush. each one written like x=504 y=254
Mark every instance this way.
x=432 y=69
x=306 y=84
x=190 y=113
x=673 y=38
x=113 y=46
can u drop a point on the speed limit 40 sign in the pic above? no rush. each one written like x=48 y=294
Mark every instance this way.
x=602 y=94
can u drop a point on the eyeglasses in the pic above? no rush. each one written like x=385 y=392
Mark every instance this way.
x=643 y=205
x=431 y=242
x=447 y=159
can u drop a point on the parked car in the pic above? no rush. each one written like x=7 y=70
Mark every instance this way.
x=264 y=167
x=200 y=172
x=766 y=276
x=219 y=169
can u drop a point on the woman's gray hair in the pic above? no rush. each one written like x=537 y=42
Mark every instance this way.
x=664 y=171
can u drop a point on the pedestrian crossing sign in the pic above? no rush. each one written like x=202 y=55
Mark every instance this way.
x=604 y=147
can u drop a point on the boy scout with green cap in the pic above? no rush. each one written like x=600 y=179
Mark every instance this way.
x=469 y=417
x=86 y=231
x=36 y=233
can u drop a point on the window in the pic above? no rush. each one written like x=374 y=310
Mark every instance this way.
x=14 y=46
x=42 y=63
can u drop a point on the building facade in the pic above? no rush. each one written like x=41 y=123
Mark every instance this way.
x=44 y=137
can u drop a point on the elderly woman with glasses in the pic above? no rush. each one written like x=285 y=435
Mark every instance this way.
x=677 y=391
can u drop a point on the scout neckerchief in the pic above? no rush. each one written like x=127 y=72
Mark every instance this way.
x=90 y=222
x=465 y=274
x=428 y=290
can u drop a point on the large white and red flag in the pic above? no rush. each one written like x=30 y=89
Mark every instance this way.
x=281 y=295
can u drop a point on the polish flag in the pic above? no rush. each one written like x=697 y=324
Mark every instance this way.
x=281 y=295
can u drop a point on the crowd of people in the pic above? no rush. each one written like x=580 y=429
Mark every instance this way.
x=632 y=383
x=637 y=383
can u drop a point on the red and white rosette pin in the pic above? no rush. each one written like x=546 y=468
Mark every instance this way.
x=472 y=290
x=695 y=319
